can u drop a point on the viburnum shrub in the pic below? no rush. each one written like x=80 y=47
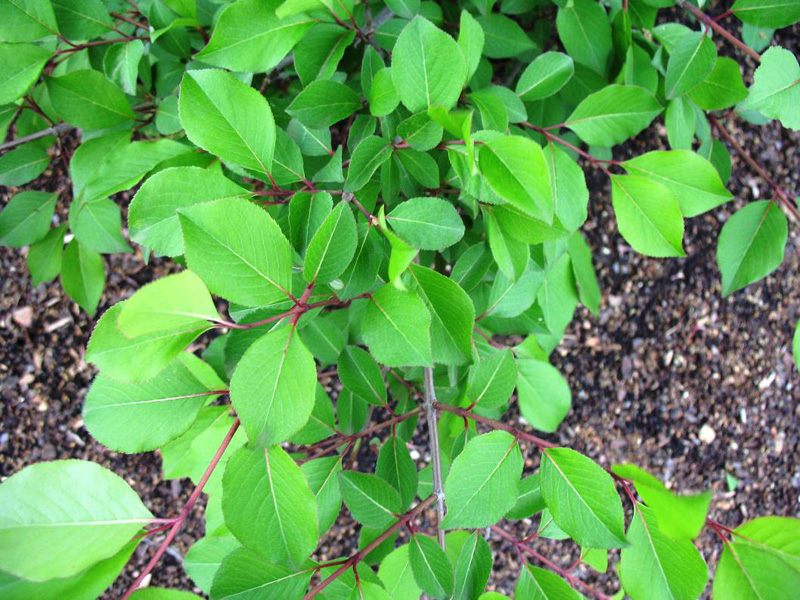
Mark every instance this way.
x=388 y=195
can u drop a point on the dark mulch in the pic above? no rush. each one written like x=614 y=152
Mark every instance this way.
x=671 y=376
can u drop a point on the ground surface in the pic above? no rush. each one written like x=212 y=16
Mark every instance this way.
x=670 y=376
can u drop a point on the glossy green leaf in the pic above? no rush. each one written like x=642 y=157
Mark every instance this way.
x=584 y=30
x=689 y=63
x=537 y=584
x=397 y=468
x=473 y=568
x=547 y=74
x=324 y=103
x=87 y=99
x=396 y=328
x=332 y=247
x=582 y=499
x=767 y=13
x=397 y=576
x=370 y=499
x=370 y=154
x=431 y=567
x=22 y=64
x=776 y=87
x=427 y=223
x=492 y=381
x=26 y=218
x=245 y=574
x=362 y=376
x=722 y=88
x=269 y=482
x=544 y=395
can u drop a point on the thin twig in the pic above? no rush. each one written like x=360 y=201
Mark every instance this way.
x=359 y=556
x=179 y=520
x=704 y=18
x=60 y=128
x=436 y=463
x=467 y=414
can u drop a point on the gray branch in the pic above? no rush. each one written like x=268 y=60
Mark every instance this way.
x=433 y=433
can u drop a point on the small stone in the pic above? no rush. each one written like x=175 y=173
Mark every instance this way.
x=23 y=316
x=707 y=434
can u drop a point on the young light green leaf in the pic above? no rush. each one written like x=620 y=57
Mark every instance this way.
x=248 y=36
x=689 y=63
x=471 y=40
x=483 y=481
x=428 y=68
x=655 y=566
x=397 y=576
x=58 y=518
x=153 y=213
x=371 y=500
x=144 y=416
x=679 y=517
x=547 y=74
x=722 y=88
x=268 y=481
x=205 y=558
x=694 y=181
x=179 y=301
x=613 y=115
x=273 y=387
x=582 y=499
x=648 y=215
x=332 y=247
x=238 y=250
x=362 y=376
x=383 y=97
x=228 y=118
x=516 y=170
x=776 y=87
x=544 y=395
x=751 y=245
x=492 y=381
x=396 y=328
x=431 y=567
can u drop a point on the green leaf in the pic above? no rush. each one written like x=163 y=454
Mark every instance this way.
x=121 y=66
x=22 y=64
x=762 y=562
x=693 y=180
x=420 y=132
x=504 y=38
x=582 y=499
x=86 y=99
x=428 y=68
x=689 y=63
x=26 y=20
x=153 y=212
x=82 y=19
x=245 y=574
x=44 y=256
x=154 y=593
x=362 y=376
x=775 y=92
x=396 y=467
x=370 y=154
x=516 y=170
x=581 y=259
x=322 y=475
x=613 y=115
x=324 y=103
x=396 y=328
x=130 y=360
x=238 y=251
x=774 y=14
x=269 y=482
x=648 y=215
x=492 y=381
x=332 y=247
x=679 y=517
x=249 y=37
x=431 y=567
x=322 y=49
x=205 y=557
x=397 y=576
x=371 y=500
x=427 y=223
x=179 y=301
x=473 y=568
x=544 y=395
x=722 y=88
x=272 y=388
x=655 y=566
x=570 y=194
x=586 y=34
x=58 y=518
x=83 y=276
x=471 y=41
x=483 y=481
x=26 y=218
x=547 y=74
x=537 y=584
x=90 y=583
x=383 y=97
x=530 y=501
x=23 y=165
x=307 y=213
x=98 y=225
x=144 y=416
x=751 y=245
x=228 y=118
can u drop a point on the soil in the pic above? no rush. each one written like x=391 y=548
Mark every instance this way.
x=671 y=376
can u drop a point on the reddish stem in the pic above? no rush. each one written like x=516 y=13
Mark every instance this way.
x=76 y=48
x=539 y=442
x=185 y=512
x=704 y=18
